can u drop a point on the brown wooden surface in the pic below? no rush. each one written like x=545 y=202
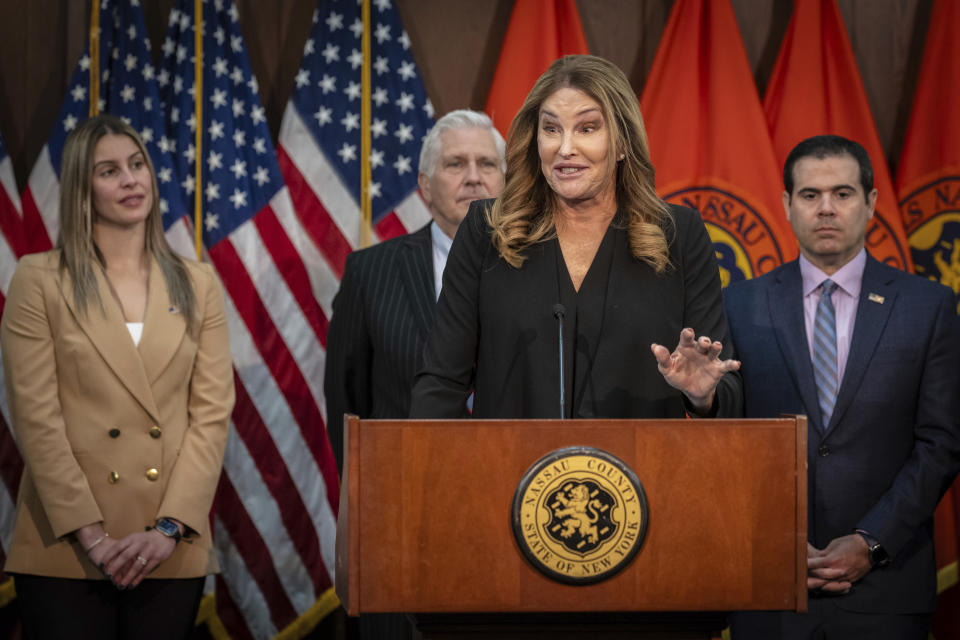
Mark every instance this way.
x=348 y=573
x=428 y=507
x=456 y=44
x=802 y=508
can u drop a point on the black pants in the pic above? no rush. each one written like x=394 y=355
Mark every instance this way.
x=55 y=608
x=826 y=621
x=385 y=626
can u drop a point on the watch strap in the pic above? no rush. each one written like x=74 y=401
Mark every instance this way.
x=877 y=555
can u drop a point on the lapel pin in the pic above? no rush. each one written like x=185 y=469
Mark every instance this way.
x=875 y=297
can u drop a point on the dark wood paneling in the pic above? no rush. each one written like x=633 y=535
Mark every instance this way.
x=883 y=46
x=456 y=44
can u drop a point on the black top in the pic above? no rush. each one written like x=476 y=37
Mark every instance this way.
x=495 y=331
x=583 y=322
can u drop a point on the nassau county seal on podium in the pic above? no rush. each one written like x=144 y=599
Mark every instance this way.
x=579 y=515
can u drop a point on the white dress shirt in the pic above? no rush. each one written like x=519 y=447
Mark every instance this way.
x=441 y=249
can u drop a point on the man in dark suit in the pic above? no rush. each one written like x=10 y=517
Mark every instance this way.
x=872 y=356
x=384 y=309
x=383 y=312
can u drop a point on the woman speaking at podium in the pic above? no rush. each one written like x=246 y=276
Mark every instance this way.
x=556 y=292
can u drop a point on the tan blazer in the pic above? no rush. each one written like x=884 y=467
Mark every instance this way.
x=112 y=432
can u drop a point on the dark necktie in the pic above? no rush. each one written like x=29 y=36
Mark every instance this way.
x=825 y=352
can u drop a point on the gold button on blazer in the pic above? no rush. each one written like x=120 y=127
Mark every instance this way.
x=72 y=379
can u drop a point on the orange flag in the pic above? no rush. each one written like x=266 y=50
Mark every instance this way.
x=815 y=89
x=928 y=182
x=540 y=31
x=709 y=139
x=928 y=178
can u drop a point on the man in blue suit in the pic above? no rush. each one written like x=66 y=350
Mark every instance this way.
x=872 y=356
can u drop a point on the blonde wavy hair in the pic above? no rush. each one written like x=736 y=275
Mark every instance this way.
x=523 y=215
x=79 y=253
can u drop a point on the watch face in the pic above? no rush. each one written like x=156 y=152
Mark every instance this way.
x=167 y=528
x=878 y=556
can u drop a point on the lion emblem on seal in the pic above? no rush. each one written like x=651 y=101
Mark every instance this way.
x=580 y=516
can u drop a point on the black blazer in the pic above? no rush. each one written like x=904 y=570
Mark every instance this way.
x=381 y=318
x=893 y=443
x=501 y=319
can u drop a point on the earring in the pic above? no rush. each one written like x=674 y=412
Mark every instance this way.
x=622 y=156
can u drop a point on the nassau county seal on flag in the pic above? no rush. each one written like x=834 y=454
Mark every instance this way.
x=931 y=214
x=744 y=242
x=881 y=240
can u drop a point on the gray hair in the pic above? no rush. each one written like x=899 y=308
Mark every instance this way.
x=461 y=118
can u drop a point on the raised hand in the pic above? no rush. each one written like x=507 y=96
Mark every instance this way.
x=694 y=367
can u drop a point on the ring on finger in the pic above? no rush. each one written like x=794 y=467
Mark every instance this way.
x=142 y=560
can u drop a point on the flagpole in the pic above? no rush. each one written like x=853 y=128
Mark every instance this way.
x=198 y=130
x=366 y=214
x=94 y=57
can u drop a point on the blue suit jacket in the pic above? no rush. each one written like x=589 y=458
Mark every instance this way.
x=893 y=443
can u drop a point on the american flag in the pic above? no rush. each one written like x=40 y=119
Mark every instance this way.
x=127 y=89
x=11 y=465
x=319 y=148
x=275 y=508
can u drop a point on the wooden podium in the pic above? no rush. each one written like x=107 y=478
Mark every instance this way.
x=425 y=526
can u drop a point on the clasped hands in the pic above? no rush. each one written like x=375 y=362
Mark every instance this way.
x=694 y=368
x=835 y=568
x=125 y=561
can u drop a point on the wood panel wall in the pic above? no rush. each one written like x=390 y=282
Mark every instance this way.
x=456 y=44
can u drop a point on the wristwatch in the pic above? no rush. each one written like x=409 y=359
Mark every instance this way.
x=875 y=552
x=168 y=528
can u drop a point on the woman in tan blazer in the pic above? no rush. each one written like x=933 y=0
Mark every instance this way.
x=120 y=387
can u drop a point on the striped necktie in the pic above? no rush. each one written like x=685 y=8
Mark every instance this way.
x=825 y=352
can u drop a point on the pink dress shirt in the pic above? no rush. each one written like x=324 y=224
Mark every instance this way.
x=846 y=298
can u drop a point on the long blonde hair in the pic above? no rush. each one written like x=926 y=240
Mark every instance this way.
x=79 y=252
x=523 y=215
